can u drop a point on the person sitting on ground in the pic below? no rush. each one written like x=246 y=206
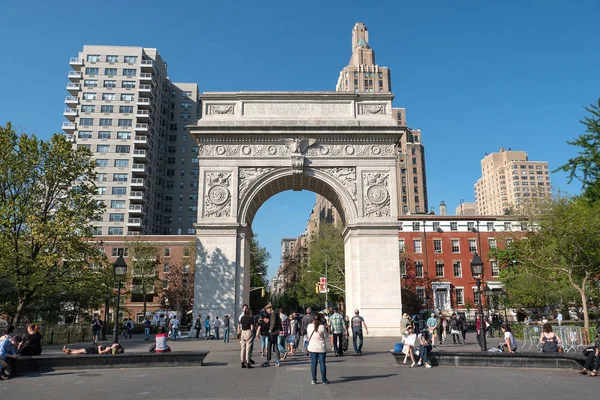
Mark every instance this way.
x=8 y=354
x=549 y=340
x=98 y=349
x=161 y=341
x=32 y=342
x=509 y=344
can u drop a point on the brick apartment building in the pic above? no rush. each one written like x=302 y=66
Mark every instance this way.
x=436 y=253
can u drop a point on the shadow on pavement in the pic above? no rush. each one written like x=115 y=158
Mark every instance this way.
x=362 y=377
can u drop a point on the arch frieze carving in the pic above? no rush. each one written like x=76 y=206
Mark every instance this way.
x=377 y=195
x=280 y=150
x=347 y=176
x=247 y=176
x=217 y=201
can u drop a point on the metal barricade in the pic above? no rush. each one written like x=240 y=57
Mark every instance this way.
x=571 y=337
x=531 y=336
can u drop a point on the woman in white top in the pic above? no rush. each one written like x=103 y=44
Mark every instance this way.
x=317 y=336
x=509 y=344
x=409 y=345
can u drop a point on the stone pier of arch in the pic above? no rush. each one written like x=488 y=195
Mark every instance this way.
x=343 y=146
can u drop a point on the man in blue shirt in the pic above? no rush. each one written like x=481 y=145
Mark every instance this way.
x=8 y=353
x=432 y=323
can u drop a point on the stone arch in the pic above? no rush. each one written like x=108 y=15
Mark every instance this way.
x=282 y=179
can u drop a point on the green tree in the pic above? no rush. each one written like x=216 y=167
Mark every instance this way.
x=259 y=258
x=144 y=258
x=180 y=286
x=46 y=205
x=586 y=166
x=562 y=245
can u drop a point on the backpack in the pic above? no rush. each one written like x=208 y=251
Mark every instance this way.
x=398 y=347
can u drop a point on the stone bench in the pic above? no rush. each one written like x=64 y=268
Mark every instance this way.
x=51 y=362
x=515 y=360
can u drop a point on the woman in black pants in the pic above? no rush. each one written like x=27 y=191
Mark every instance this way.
x=592 y=360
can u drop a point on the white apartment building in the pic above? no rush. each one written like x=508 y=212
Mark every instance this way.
x=508 y=179
x=124 y=108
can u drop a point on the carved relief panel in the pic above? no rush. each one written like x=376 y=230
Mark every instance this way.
x=247 y=176
x=217 y=199
x=377 y=195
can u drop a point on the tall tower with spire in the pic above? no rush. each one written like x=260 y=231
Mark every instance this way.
x=363 y=75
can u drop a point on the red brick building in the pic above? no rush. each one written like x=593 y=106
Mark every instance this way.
x=436 y=253
x=172 y=250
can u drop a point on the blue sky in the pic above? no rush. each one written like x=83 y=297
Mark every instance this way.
x=473 y=75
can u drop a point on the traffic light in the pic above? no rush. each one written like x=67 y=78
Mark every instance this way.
x=262 y=292
x=317 y=288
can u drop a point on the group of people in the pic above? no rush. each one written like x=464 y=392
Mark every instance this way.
x=216 y=325
x=13 y=346
x=280 y=336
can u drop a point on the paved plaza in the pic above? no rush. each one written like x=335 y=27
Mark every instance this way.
x=370 y=376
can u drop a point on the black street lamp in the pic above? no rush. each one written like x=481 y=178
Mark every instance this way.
x=477 y=273
x=120 y=267
x=504 y=300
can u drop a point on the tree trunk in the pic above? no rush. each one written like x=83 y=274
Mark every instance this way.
x=22 y=302
x=586 y=317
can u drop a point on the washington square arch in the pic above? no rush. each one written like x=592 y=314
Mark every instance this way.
x=341 y=145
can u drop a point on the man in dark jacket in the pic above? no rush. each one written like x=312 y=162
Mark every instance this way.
x=274 y=328
x=306 y=320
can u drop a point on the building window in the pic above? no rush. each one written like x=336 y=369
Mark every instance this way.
x=439 y=269
x=101 y=162
x=402 y=269
x=130 y=59
x=122 y=148
x=112 y=59
x=495 y=269
x=101 y=178
x=453 y=226
x=166 y=267
x=120 y=251
x=106 y=109
x=120 y=217
x=128 y=84
x=523 y=226
x=457 y=269
x=84 y=134
x=419 y=269
x=460 y=296
x=436 y=226
x=121 y=163
x=129 y=72
x=86 y=108
x=110 y=71
x=125 y=122
x=119 y=191
x=126 y=109
x=472 y=245
x=109 y=96
x=470 y=226
x=401 y=245
x=508 y=242
x=100 y=190
x=417 y=246
x=90 y=83
x=86 y=121
x=119 y=177
x=416 y=226
x=102 y=148
x=490 y=226
x=492 y=243
x=475 y=296
x=455 y=245
x=123 y=135
x=167 y=252
x=93 y=58
x=115 y=231
x=421 y=293
x=92 y=71
x=105 y=122
x=127 y=97
x=437 y=245
x=109 y=83
x=507 y=226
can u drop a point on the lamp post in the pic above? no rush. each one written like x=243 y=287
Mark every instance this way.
x=326 y=283
x=120 y=267
x=477 y=273
x=504 y=300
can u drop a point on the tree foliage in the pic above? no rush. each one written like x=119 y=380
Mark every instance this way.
x=586 y=166
x=46 y=205
x=144 y=258
x=563 y=245
x=259 y=258
x=180 y=282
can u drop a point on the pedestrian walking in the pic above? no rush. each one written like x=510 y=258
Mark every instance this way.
x=306 y=320
x=97 y=327
x=216 y=326
x=432 y=324
x=559 y=318
x=317 y=336
x=246 y=326
x=198 y=326
x=274 y=329
x=283 y=333
x=358 y=323
x=346 y=333
x=226 y=328
x=147 y=326
x=454 y=329
x=207 y=327
x=462 y=326
x=294 y=332
x=263 y=332
x=174 y=327
x=336 y=322
x=443 y=326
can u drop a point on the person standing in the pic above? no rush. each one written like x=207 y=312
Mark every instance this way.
x=263 y=332
x=226 y=328
x=358 y=323
x=454 y=329
x=147 y=326
x=294 y=332
x=174 y=327
x=283 y=333
x=432 y=324
x=96 y=329
x=274 y=329
x=440 y=327
x=246 y=326
x=207 y=327
x=198 y=326
x=462 y=326
x=317 y=336
x=336 y=322
x=559 y=318
x=306 y=320
x=216 y=326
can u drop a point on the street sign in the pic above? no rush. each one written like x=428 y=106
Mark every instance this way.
x=323 y=285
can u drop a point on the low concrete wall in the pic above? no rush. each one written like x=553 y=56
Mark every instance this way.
x=94 y=361
x=517 y=360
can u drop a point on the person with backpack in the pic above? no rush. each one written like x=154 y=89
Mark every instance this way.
x=358 y=323
x=454 y=329
x=462 y=327
x=207 y=327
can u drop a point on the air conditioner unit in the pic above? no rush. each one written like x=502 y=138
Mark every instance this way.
x=440 y=230
x=438 y=252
